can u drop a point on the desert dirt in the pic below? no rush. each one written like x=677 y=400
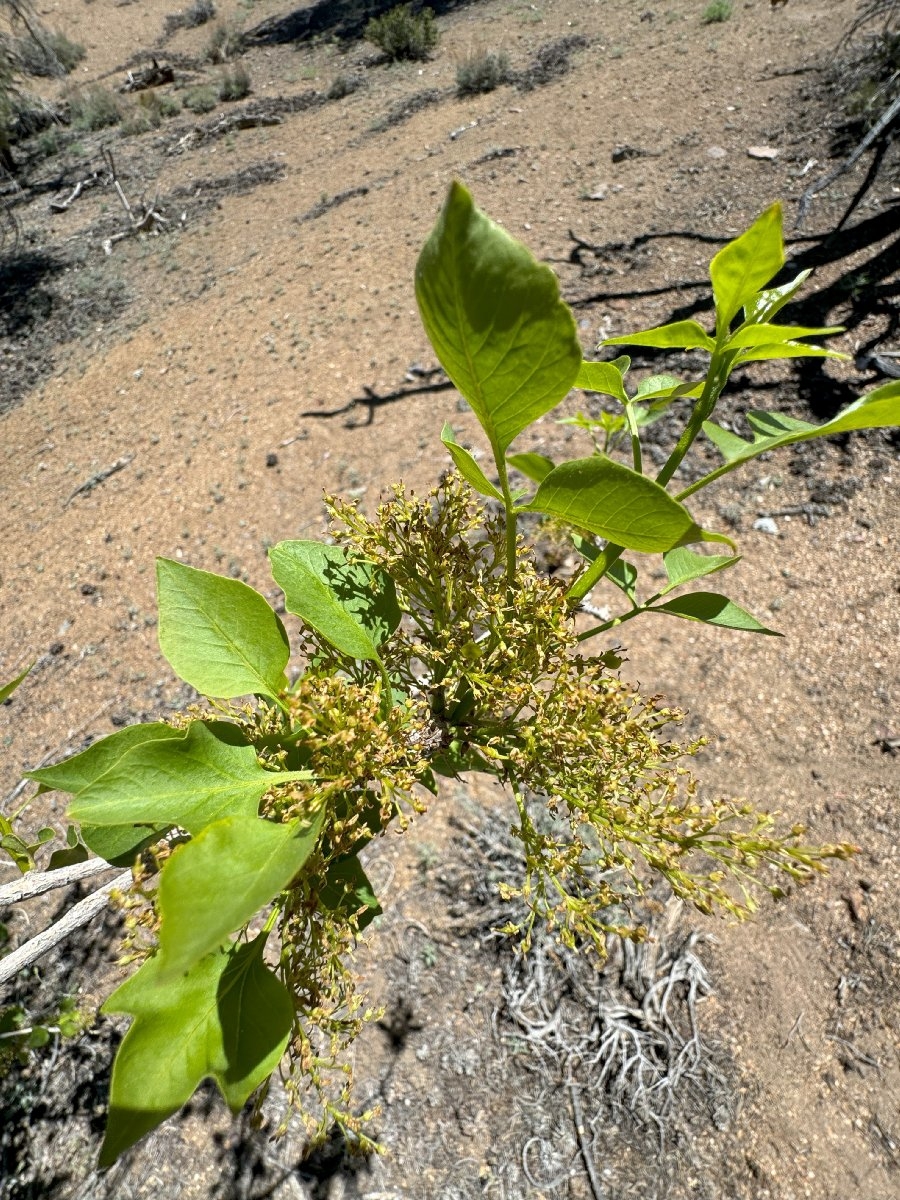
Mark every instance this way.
x=264 y=348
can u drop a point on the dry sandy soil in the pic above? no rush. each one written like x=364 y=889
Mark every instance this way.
x=280 y=292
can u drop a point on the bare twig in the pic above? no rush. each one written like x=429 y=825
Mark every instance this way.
x=586 y=1157
x=889 y=115
x=60 y=206
x=81 y=914
x=35 y=883
x=100 y=477
x=150 y=221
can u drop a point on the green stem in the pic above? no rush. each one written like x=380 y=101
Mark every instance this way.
x=635 y=439
x=607 y=625
x=716 y=378
x=503 y=476
x=593 y=574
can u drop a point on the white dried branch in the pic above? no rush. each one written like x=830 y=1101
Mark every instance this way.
x=81 y=914
x=35 y=883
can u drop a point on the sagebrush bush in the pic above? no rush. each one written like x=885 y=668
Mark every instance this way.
x=198 y=13
x=403 y=34
x=201 y=99
x=54 y=54
x=94 y=108
x=235 y=84
x=225 y=43
x=716 y=12
x=482 y=72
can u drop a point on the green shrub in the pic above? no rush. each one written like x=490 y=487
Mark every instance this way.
x=431 y=644
x=94 y=108
x=482 y=73
x=68 y=53
x=404 y=34
x=716 y=12
x=234 y=84
x=198 y=13
x=225 y=43
x=201 y=99
x=50 y=55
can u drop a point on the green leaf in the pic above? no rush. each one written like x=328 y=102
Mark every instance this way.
x=679 y=335
x=77 y=772
x=468 y=467
x=879 y=409
x=535 y=467
x=74 y=852
x=684 y=566
x=625 y=577
x=229 y=1018
x=219 y=880
x=616 y=503
x=347 y=890
x=321 y=588
x=769 y=302
x=219 y=635
x=746 y=265
x=8 y=688
x=121 y=844
x=190 y=782
x=771 y=335
x=495 y=319
x=602 y=377
x=712 y=609
x=658 y=386
x=786 y=350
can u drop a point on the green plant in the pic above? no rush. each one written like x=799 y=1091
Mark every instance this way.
x=403 y=34
x=194 y=15
x=482 y=73
x=431 y=645
x=201 y=99
x=235 y=83
x=225 y=43
x=94 y=108
x=716 y=12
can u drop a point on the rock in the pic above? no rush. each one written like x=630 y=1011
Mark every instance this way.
x=768 y=152
x=271 y=459
x=716 y=152
x=766 y=525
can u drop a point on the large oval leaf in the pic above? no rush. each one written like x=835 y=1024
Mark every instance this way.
x=189 y=782
x=228 y=1018
x=215 y=883
x=218 y=634
x=616 y=503
x=352 y=605
x=495 y=319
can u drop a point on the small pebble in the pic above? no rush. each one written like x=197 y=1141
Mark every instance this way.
x=766 y=525
x=271 y=459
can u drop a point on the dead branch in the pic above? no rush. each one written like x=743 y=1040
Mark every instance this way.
x=81 y=914
x=149 y=77
x=60 y=206
x=150 y=221
x=222 y=126
x=890 y=114
x=35 y=883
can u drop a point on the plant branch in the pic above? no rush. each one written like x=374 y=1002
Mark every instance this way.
x=82 y=914
x=35 y=883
